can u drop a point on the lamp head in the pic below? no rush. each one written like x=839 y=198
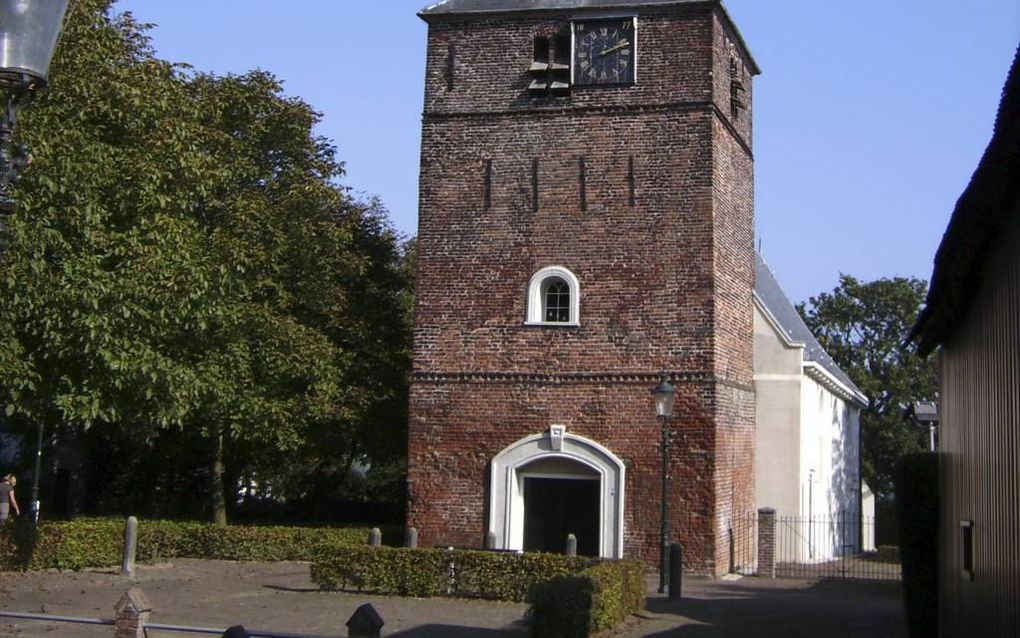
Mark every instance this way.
x=924 y=412
x=664 y=395
x=28 y=36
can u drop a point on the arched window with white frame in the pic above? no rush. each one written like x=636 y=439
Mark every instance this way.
x=554 y=298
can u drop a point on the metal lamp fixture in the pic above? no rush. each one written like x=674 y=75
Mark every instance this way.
x=29 y=30
x=664 y=395
x=925 y=414
x=28 y=35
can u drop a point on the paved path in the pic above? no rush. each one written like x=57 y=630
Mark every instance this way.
x=779 y=608
x=280 y=597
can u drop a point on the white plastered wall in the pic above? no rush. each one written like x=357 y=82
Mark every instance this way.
x=829 y=465
x=777 y=385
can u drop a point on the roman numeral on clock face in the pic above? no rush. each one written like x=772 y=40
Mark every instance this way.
x=604 y=50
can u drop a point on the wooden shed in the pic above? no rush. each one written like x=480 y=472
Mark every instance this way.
x=972 y=316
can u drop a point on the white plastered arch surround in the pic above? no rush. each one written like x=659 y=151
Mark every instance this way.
x=536 y=303
x=506 y=498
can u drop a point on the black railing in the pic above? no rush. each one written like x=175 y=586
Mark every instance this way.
x=742 y=537
x=840 y=546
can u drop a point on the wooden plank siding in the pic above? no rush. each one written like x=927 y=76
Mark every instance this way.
x=980 y=447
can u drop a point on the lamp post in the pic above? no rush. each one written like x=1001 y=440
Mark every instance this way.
x=29 y=30
x=28 y=35
x=925 y=414
x=664 y=395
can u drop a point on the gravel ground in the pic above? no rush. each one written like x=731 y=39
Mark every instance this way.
x=281 y=598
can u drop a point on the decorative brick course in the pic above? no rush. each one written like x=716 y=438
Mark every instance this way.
x=666 y=277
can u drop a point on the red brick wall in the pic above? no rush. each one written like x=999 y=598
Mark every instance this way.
x=665 y=283
x=733 y=203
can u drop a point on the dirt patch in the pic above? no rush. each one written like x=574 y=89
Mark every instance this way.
x=276 y=597
x=280 y=597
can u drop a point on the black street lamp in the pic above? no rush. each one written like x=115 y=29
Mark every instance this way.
x=28 y=35
x=29 y=30
x=664 y=395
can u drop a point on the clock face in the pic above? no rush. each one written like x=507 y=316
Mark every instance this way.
x=604 y=51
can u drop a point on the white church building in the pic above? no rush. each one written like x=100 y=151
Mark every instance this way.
x=808 y=434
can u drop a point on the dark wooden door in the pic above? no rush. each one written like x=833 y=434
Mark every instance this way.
x=556 y=507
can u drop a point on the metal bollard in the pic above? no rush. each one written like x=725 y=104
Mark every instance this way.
x=375 y=537
x=411 y=538
x=490 y=540
x=127 y=566
x=571 y=545
x=676 y=564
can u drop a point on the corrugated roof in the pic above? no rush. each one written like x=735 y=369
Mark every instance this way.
x=501 y=6
x=771 y=295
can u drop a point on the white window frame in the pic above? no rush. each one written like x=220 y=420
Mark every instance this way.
x=536 y=298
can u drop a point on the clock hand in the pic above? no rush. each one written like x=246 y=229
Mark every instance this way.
x=622 y=45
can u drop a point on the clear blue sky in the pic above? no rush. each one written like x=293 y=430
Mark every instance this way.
x=870 y=116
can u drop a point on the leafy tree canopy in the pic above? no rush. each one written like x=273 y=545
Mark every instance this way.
x=183 y=257
x=863 y=327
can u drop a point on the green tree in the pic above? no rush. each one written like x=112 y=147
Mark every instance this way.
x=183 y=258
x=319 y=478
x=863 y=327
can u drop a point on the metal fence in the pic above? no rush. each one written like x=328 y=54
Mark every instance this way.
x=743 y=544
x=840 y=546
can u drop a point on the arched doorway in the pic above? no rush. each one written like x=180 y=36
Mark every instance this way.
x=561 y=496
x=549 y=485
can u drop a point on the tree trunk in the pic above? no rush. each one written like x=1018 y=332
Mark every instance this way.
x=219 y=502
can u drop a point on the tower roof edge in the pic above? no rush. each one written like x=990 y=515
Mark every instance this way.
x=463 y=8
x=468 y=7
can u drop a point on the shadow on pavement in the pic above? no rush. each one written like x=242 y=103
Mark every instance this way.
x=763 y=609
x=298 y=590
x=451 y=631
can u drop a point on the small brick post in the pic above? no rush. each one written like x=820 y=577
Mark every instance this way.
x=766 y=543
x=365 y=623
x=132 y=614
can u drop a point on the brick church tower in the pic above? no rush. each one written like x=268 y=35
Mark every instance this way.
x=586 y=221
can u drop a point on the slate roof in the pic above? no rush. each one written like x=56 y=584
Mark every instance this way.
x=977 y=221
x=775 y=301
x=502 y=6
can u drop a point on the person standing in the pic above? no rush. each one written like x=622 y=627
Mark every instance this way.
x=7 y=499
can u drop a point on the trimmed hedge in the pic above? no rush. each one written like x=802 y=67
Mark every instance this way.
x=95 y=543
x=568 y=596
x=439 y=572
x=596 y=600
x=916 y=484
